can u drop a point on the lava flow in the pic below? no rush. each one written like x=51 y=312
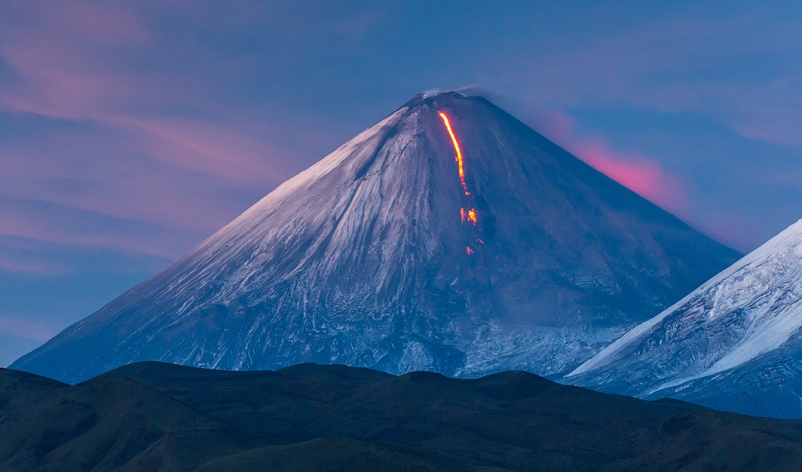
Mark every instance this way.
x=471 y=213
x=454 y=141
x=472 y=216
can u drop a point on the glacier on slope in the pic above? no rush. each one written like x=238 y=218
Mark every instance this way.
x=367 y=258
x=733 y=343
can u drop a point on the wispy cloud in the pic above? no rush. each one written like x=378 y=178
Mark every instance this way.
x=740 y=65
x=128 y=141
x=60 y=52
x=49 y=222
x=27 y=256
x=26 y=328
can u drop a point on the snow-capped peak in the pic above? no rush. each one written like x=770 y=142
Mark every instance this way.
x=754 y=274
x=448 y=237
x=738 y=321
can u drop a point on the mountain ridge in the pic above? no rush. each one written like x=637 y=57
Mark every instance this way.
x=733 y=343
x=156 y=416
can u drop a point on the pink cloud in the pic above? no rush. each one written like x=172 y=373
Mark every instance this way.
x=54 y=224
x=30 y=267
x=642 y=175
x=23 y=256
x=106 y=181
x=161 y=186
x=60 y=54
x=735 y=231
x=181 y=178
x=170 y=177
x=361 y=23
x=37 y=330
x=787 y=133
x=209 y=148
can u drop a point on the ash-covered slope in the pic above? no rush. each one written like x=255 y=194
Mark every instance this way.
x=392 y=254
x=732 y=344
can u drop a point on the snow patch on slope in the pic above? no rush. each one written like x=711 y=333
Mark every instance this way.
x=766 y=285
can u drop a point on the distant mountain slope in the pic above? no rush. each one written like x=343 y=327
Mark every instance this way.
x=153 y=416
x=448 y=237
x=735 y=343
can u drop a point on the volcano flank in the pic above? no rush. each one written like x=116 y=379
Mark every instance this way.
x=448 y=237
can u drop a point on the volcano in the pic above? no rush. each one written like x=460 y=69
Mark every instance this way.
x=448 y=237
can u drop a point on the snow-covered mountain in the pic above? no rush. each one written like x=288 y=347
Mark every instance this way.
x=447 y=237
x=734 y=343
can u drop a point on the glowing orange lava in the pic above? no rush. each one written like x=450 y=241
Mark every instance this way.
x=472 y=216
x=454 y=141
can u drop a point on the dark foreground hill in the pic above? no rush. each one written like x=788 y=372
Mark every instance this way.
x=153 y=416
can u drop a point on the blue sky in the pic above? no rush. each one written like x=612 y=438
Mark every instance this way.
x=130 y=131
